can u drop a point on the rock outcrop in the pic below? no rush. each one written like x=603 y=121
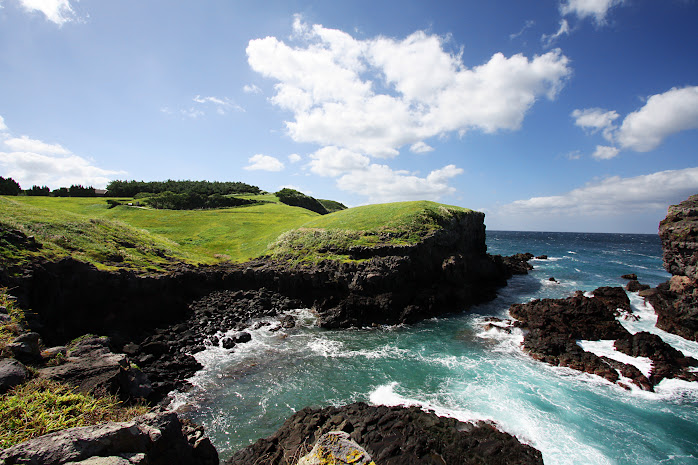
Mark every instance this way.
x=153 y=439
x=555 y=325
x=392 y=436
x=676 y=302
x=91 y=367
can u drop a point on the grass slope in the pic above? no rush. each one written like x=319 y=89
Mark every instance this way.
x=395 y=224
x=141 y=238
x=151 y=240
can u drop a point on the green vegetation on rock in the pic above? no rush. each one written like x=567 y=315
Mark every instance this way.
x=41 y=406
x=394 y=224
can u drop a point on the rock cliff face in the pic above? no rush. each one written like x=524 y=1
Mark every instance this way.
x=449 y=270
x=676 y=302
x=679 y=234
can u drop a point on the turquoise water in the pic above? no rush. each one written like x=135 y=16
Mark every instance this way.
x=455 y=367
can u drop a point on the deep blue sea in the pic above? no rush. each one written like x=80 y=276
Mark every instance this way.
x=452 y=365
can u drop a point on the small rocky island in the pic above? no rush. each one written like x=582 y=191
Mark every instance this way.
x=149 y=325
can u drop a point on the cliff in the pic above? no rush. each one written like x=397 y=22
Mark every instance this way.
x=676 y=302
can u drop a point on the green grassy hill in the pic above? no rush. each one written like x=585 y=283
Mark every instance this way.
x=150 y=240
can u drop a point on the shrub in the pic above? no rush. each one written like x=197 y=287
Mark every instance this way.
x=298 y=199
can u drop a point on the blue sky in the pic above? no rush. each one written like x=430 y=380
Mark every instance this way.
x=571 y=115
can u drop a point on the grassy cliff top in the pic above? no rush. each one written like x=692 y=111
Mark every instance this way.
x=391 y=224
x=152 y=240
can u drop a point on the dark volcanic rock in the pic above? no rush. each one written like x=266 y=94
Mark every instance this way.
x=12 y=373
x=676 y=302
x=93 y=368
x=630 y=276
x=555 y=326
x=155 y=439
x=392 y=436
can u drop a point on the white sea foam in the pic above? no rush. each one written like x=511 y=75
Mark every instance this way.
x=386 y=395
x=605 y=348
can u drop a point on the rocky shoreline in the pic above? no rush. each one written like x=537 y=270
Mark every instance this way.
x=555 y=327
x=154 y=324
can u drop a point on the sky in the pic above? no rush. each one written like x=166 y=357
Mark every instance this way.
x=547 y=115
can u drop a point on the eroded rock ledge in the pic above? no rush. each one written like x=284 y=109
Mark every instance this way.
x=392 y=436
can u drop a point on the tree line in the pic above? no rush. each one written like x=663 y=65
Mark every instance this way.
x=120 y=188
x=9 y=186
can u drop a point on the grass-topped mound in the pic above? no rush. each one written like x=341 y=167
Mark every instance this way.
x=392 y=224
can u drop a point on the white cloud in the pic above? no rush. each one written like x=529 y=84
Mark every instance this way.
x=382 y=184
x=294 y=158
x=549 y=39
x=30 y=169
x=251 y=89
x=56 y=11
x=529 y=23
x=585 y=8
x=334 y=161
x=643 y=130
x=613 y=196
x=3 y=127
x=663 y=115
x=596 y=119
x=604 y=152
x=264 y=163
x=222 y=105
x=421 y=147
x=374 y=96
x=25 y=144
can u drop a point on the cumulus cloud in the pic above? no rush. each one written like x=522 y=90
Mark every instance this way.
x=596 y=119
x=334 y=161
x=25 y=144
x=31 y=161
x=382 y=184
x=421 y=147
x=294 y=158
x=3 y=127
x=374 y=96
x=663 y=115
x=643 y=130
x=261 y=162
x=604 y=152
x=586 y=8
x=613 y=196
x=56 y=11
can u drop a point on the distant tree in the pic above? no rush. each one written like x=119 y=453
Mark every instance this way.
x=332 y=205
x=9 y=186
x=38 y=191
x=79 y=191
x=120 y=188
x=298 y=199
x=60 y=192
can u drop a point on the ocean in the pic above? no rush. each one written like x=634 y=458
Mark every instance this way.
x=456 y=367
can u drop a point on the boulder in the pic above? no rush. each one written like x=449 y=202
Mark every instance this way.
x=26 y=347
x=154 y=438
x=92 y=367
x=12 y=373
x=336 y=447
